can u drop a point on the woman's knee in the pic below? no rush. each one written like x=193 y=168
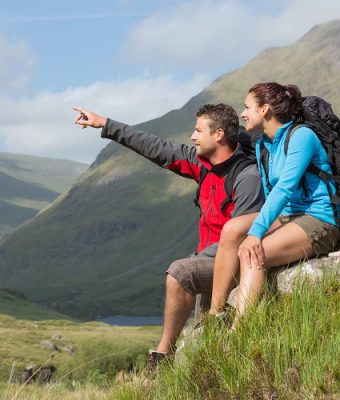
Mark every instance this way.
x=234 y=231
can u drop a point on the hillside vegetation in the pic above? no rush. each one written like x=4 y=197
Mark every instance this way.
x=84 y=354
x=286 y=349
x=14 y=304
x=28 y=184
x=103 y=248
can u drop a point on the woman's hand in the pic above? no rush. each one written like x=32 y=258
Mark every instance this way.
x=251 y=251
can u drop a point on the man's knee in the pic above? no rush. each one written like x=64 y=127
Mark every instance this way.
x=182 y=273
x=194 y=274
x=171 y=283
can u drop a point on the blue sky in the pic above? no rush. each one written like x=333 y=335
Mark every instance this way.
x=132 y=60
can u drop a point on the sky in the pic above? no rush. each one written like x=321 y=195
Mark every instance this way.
x=131 y=60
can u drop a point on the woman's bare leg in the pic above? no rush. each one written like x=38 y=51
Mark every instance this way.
x=226 y=267
x=285 y=245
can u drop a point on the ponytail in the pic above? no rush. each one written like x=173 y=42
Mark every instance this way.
x=284 y=101
x=295 y=101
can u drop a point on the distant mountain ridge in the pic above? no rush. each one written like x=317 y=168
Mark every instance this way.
x=28 y=184
x=104 y=247
x=16 y=305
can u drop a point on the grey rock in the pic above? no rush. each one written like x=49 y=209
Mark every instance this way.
x=40 y=375
x=49 y=345
x=68 y=348
x=232 y=297
x=312 y=271
x=285 y=278
x=27 y=374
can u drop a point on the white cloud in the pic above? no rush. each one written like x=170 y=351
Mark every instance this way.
x=43 y=124
x=192 y=35
x=16 y=65
x=222 y=34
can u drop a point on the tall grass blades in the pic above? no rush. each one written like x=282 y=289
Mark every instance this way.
x=286 y=348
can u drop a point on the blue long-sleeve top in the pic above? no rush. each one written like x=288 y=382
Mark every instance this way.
x=286 y=196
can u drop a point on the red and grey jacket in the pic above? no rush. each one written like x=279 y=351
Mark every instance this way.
x=217 y=207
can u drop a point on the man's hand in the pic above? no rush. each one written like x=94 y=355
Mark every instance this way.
x=251 y=252
x=89 y=118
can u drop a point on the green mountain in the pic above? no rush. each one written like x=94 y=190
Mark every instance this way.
x=28 y=184
x=104 y=247
x=15 y=304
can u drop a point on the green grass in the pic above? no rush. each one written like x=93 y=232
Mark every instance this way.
x=14 y=304
x=99 y=352
x=286 y=349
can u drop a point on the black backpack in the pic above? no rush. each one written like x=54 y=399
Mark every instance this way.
x=318 y=115
x=244 y=159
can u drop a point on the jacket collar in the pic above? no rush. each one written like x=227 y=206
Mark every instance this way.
x=278 y=134
x=221 y=168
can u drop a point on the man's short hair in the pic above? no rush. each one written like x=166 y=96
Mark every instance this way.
x=223 y=117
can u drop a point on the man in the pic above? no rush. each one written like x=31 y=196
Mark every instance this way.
x=215 y=161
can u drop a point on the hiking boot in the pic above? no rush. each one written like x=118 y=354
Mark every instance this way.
x=223 y=319
x=155 y=359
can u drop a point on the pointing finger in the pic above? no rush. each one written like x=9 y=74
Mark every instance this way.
x=80 y=109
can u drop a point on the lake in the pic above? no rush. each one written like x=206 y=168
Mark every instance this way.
x=121 y=320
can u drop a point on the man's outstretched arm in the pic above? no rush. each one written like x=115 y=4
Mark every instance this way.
x=178 y=158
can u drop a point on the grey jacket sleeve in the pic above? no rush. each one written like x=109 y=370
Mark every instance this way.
x=248 y=192
x=179 y=158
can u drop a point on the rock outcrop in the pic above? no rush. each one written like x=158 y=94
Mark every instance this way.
x=41 y=375
x=285 y=278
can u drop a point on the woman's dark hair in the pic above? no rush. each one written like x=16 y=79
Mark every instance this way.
x=284 y=101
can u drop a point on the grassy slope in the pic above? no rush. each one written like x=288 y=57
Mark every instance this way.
x=93 y=232
x=29 y=184
x=287 y=349
x=104 y=247
x=53 y=174
x=15 y=305
x=100 y=351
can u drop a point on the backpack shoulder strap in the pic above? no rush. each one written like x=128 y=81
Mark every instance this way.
x=239 y=164
x=229 y=181
x=325 y=176
x=264 y=156
x=290 y=132
x=311 y=168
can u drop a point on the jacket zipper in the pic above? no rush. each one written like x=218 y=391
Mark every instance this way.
x=213 y=188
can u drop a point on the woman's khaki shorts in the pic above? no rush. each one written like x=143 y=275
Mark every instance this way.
x=324 y=237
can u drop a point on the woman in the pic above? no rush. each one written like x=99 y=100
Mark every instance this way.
x=294 y=223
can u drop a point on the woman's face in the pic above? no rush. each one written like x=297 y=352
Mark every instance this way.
x=253 y=114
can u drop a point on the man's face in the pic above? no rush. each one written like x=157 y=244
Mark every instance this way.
x=204 y=139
